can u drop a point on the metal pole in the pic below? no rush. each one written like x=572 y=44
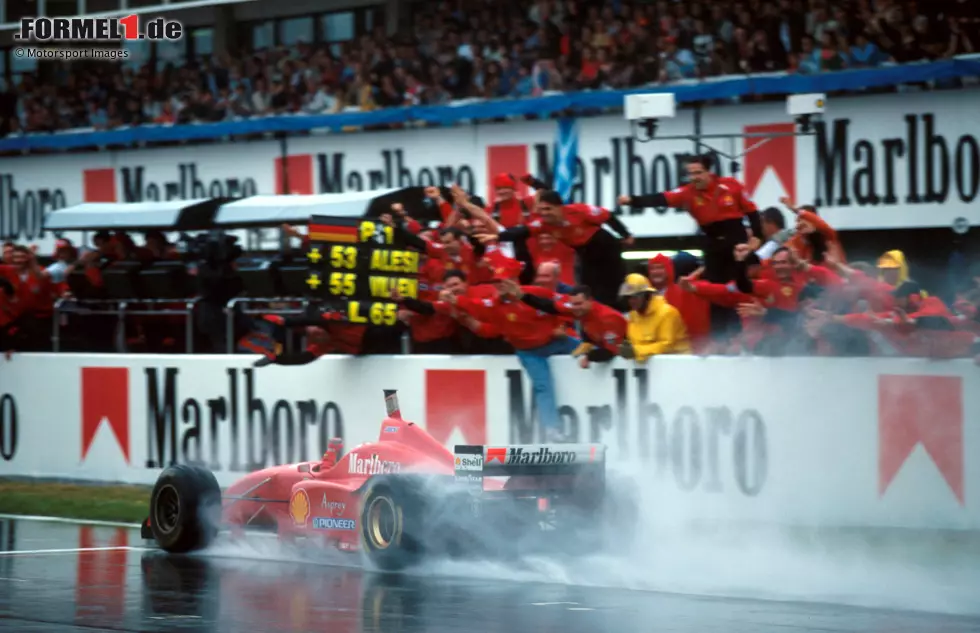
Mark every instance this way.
x=56 y=326
x=230 y=332
x=697 y=129
x=283 y=162
x=121 y=328
x=189 y=330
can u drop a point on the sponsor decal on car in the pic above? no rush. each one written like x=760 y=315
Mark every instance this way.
x=371 y=466
x=469 y=462
x=329 y=523
x=520 y=457
x=391 y=429
x=299 y=507
x=335 y=508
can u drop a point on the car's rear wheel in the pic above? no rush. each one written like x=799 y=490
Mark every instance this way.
x=391 y=523
x=185 y=508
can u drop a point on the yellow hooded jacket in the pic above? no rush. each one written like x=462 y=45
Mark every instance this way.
x=895 y=259
x=659 y=329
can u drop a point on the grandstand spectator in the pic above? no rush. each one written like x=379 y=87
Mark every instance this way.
x=655 y=327
x=451 y=54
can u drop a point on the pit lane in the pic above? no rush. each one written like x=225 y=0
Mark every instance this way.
x=63 y=577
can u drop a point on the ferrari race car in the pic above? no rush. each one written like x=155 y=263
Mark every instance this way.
x=405 y=498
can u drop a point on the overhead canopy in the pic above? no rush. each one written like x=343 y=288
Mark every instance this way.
x=171 y=215
x=295 y=209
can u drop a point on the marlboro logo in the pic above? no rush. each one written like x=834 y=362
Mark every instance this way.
x=371 y=466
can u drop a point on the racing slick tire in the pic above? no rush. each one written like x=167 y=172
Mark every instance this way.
x=185 y=508
x=392 y=522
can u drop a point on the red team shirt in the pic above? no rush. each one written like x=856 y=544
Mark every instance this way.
x=581 y=222
x=518 y=323
x=723 y=199
x=604 y=326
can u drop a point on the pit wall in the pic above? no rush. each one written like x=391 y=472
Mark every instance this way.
x=829 y=443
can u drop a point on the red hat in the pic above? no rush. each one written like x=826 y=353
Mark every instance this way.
x=504 y=181
x=510 y=269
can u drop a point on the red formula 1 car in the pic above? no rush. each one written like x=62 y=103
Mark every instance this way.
x=406 y=497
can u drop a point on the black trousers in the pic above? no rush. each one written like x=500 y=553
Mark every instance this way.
x=602 y=267
x=720 y=240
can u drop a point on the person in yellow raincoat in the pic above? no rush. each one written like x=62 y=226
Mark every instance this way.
x=654 y=326
x=893 y=269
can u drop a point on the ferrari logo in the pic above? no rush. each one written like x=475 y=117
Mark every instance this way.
x=728 y=201
x=314 y=255
x=787 y=291
x=299 y=507
x=314 y=281
x=699 y=201
x=511 y=316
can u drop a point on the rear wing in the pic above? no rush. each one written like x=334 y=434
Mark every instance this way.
x=475 y=461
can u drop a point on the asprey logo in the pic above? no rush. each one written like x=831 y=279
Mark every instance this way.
x=926 y=410
x=105 y=400
x=770 y=163
x=132 y=184
x=83 y=29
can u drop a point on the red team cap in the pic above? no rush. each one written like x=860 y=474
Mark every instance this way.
x=504 y=181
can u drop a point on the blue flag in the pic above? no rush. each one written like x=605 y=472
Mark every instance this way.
x=566 y=151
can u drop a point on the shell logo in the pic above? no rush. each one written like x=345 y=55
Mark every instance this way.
x=299 y=507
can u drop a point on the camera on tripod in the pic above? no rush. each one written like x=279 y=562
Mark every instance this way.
x=214 y=249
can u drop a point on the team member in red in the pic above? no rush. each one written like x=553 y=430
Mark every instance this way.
x=719 y=206
x=580 y=227
x=694 y=309
x=32 y=304
x=444 y=306
x=328 y=334
x=603 y=328
x=779 y=285
x=535 y=335
x=545 y=248
x=508 y=209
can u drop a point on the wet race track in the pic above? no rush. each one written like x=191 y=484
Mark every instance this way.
x=63 y=578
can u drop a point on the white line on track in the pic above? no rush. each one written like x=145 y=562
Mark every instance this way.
x=25 y=517
x=74 y=550
x=13 y=580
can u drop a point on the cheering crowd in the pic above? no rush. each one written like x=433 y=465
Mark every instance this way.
x=481 y=49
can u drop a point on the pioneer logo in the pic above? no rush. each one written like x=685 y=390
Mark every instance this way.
x=371 y=466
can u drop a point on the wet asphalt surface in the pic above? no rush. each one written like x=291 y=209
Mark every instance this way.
x=67 y=578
